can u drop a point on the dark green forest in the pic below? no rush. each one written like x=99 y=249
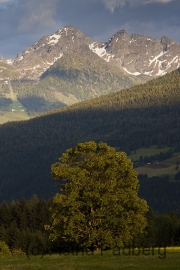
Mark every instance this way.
x=137 y=117
x=160 y=192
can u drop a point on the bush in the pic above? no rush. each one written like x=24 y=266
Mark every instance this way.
x=16 y=252
x=4 y=250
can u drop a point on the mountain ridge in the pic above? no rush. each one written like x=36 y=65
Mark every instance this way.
x=129 y=53
x=132 y=53
x=46 y=75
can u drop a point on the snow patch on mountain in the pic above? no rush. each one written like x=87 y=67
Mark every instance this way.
x=54 y=39
x=131 y=73
x=155 y=59
x=100 y=50
x=10 y=61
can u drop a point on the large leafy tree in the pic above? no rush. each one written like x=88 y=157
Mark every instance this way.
x=98 y=203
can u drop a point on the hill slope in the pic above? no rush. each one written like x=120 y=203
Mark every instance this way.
x=78 y=75
x=131 y=118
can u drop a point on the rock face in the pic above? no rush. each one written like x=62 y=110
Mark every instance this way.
x=136 y=55
x=37 y=58
x=140 y=55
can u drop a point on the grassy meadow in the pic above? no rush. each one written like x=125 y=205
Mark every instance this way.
x=163 y=168
x=15 y=111
x=144 y=151
x=13 y=116
x=164 y=258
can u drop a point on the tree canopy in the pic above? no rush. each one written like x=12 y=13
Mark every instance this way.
x=98 y=202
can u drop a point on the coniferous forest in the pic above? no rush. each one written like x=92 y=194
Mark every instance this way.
x=129 y=119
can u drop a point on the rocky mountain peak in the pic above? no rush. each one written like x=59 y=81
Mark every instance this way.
x=120 y=37
x=140 y=55
x=118 y=42
x=137 y=55
x=34 y=60
x=139 y=38
x=121 y=34
x=166 y=42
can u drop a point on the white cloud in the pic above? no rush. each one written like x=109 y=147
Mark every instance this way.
x=112 y=4
x=37 y=13
x=28 y=15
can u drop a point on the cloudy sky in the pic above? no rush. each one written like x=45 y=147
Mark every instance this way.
x=23 y=22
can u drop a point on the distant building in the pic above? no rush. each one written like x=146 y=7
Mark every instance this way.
x=154 y=162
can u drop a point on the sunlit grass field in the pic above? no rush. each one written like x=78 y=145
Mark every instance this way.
x=16 y=112
x=144 y=151
x=13 y=116
x=164 y=258
x=165 y=167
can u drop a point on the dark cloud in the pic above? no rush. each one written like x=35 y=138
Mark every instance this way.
x=23 y=22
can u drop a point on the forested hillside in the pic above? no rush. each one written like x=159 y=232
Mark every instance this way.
x=131 y=118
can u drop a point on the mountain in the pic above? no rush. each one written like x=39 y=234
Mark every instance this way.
x=59 y=70
x=7 y=71
x=140 y=55
x=136 y=55
x=68 y=66
x=78 y=75
x=36 y=59
x=140 y=116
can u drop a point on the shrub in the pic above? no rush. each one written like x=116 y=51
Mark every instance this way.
x=4 y=250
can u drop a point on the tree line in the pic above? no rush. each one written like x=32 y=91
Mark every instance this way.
x=22 y=228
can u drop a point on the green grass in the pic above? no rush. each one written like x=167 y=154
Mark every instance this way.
x=157 y=172
x=152 y=150
x=169 y=164
x=173 y=160
x=13 y=116
x=97 y=261
x=16 y=112
x=17 y=106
